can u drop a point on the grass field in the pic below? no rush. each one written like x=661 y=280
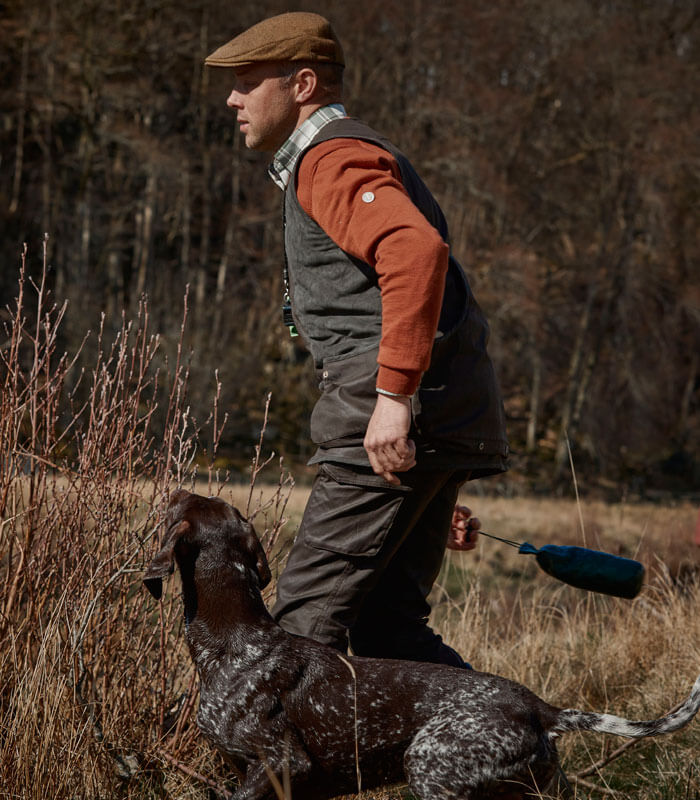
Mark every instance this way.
x=97 y=690
x=99 y=694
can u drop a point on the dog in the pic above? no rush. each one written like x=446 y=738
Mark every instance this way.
x=333 y=724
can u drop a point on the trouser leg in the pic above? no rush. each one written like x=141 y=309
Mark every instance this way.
x=393 y=620
x=354 y=526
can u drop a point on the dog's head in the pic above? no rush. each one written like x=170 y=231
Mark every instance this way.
x=207 y=528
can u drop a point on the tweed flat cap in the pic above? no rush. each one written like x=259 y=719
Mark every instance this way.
x=296 y=36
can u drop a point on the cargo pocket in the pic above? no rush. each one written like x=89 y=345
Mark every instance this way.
x=350 y=513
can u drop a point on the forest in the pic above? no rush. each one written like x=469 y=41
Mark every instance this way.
x=560 y=137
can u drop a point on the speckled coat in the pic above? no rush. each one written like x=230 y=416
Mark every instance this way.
x=272 y=701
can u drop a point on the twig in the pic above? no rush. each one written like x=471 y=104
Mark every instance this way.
x=185 y=710
x=357 y=729
x=274 y=780
x=607 y=759
x=257 y=467
x=217 y=787
x=594 y=787
x=578 y=499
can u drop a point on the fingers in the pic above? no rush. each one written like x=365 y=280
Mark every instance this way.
x=463 y=530
x=465 y=513
x=462 y=519
x=464 y=541
x=391 y=457
x=387 y=444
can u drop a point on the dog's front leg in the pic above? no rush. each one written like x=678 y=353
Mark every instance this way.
x=255 y=784
x=262 y=776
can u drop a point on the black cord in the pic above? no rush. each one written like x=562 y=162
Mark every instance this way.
x=507 y=541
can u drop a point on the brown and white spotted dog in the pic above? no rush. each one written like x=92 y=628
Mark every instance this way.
x=272 y=701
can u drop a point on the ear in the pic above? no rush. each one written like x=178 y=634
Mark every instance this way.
x=258 y=554
x=306 y=83
x=164 y=562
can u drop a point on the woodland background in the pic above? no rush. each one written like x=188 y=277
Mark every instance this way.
x=560 y=136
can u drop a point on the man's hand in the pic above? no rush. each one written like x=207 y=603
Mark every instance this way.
x=464 y=530
x=386 y=441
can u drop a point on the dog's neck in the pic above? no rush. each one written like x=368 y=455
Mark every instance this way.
x=223 y=606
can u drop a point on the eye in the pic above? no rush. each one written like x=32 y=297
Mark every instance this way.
x=246 y=85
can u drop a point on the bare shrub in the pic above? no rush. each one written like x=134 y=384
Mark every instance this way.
x=97 y=687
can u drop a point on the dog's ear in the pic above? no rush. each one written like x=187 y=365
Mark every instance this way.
x=261 y=565
x=164 y=562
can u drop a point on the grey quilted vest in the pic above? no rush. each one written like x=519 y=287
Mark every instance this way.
x=458 y=419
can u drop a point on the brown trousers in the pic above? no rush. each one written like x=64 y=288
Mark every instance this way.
x=365 y=559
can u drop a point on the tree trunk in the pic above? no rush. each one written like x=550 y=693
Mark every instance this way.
x=535 y=391
x=205 y=231
x=578 y=356
x=145 y=234
x=230 y=236
x=21 y=116
x=688 y=391
x=186 y=233
x=47 y=134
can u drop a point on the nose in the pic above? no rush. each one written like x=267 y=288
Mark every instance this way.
x=234 y=99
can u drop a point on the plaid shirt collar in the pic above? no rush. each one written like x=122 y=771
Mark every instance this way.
x=284 y=162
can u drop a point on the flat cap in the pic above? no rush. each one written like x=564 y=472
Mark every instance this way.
x=295 y=36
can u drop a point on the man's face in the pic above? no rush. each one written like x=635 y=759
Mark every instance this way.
x=267 y=113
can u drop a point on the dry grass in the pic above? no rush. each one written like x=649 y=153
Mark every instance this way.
x=97 y=692
x=634 y=658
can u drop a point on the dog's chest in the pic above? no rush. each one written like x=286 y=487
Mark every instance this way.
x=234 y=697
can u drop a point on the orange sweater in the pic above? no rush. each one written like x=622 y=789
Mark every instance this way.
x=353 y=190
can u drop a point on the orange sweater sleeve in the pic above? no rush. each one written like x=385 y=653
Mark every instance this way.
x=352 y=189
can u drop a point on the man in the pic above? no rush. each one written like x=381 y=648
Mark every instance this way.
x=410 y=407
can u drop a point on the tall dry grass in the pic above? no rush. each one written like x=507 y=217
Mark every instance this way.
x=97 y=692
x=96 y=687
x=634 y=658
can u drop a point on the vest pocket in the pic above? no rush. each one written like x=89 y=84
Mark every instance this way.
x=457 y=406
x=348 y=397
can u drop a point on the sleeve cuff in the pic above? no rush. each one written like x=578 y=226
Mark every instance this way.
x=395 y=381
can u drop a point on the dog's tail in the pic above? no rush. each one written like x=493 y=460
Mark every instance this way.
x=571 y=719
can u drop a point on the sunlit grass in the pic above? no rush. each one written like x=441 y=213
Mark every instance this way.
x=97 y=690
